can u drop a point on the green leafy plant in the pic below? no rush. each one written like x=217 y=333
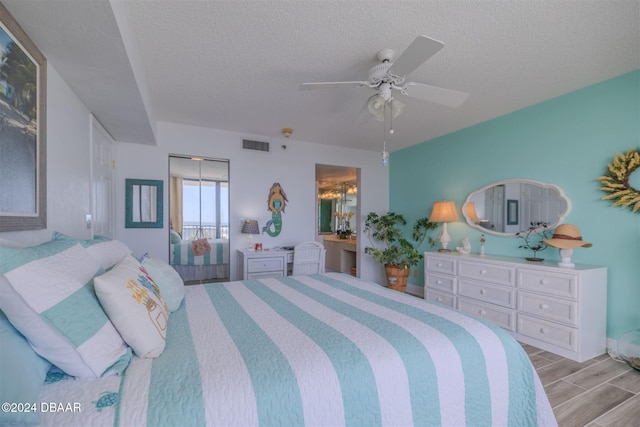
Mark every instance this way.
x=397 y=249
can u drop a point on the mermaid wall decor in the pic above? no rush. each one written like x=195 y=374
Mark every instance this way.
x=276 y=203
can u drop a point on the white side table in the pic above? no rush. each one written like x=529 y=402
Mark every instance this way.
x=266 y=263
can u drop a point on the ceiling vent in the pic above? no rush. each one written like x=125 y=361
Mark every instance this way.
x=248 y=144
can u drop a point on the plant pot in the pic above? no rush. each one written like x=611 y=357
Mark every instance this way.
x=396 y=277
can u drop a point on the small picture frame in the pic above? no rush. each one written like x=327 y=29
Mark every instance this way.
x=512 y=212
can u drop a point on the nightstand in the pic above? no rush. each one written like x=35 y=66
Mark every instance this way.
x=266 y=263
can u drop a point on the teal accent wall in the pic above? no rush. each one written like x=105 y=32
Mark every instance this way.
x=567 y=141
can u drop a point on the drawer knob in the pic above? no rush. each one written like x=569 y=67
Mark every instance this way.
x=439 y=264
x=438 y=282
x=482 y=292
x=544 y=281
x=544 y=306
x=439 y=299
x=483 y=271
x=482 y=312
x=543 y=330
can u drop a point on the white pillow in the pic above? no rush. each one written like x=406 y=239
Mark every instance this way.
x=168 y=280
x=47 y=294
x=103 y=249
x=133 y=302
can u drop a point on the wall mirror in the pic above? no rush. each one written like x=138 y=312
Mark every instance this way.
x=143 y=203
x=337 y=195
x=199 y=209
x=506 y=207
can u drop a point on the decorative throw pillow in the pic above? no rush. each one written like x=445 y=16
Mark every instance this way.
x=168 y=280
x=103 y=249
x=22 y=372
x=174 y=237
x=48 y=296
x=133 y=302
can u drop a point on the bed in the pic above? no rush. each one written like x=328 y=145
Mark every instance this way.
x=319 y=350
x=214 y=265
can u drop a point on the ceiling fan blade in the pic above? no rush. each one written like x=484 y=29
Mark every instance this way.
x=329 y=85
x=420 y=50
x=438 y=95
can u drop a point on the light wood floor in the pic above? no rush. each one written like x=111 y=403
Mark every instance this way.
x=597 y=393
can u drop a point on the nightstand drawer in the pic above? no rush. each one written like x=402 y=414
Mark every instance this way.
x=502 y=275
x=501 y=316
x=440 y=297
x=447 y=266
x=257 y=265
x=552 y=283
x=264 y=275
x=549 y=332
x=548 y=307
x=438 y=281
x=494 y=294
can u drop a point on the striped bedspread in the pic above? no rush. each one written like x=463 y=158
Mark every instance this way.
x=180 y=253
x=322 y=350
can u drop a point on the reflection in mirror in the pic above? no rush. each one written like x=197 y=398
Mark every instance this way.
x=507 y=207
x=143 y=203
x=337 y=205
x=199 y=209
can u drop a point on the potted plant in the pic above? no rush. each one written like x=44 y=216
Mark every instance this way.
x=398 y=254
x=533 y=239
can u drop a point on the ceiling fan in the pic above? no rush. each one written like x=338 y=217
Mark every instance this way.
x=390 y=76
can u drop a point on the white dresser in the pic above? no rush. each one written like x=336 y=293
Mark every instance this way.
x=260 y=264
x=561 y=310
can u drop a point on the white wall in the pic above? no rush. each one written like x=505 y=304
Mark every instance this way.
x=251 y=175
x=68 y=165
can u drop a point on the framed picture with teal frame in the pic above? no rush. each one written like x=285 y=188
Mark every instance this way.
x=143 y=204
x=512 y=212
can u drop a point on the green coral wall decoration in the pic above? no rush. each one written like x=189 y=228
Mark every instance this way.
x=616 y=182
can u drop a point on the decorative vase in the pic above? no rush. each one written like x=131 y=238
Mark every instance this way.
x=396 y=277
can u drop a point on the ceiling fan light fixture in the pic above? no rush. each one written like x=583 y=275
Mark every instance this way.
x=375 y=105
x=396 y=107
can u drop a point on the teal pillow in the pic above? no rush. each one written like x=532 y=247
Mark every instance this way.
x=174 y=237
x=22 y=372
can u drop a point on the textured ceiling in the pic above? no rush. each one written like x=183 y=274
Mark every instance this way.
x=237 y=65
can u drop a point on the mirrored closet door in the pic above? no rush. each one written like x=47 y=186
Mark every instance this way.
x=199 y=218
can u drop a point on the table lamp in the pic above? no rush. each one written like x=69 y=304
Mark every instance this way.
x=250 y=227
x=444 y=212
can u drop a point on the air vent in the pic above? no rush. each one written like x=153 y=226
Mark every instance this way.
x=248 y=144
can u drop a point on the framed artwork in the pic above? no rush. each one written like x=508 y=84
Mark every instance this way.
x=512 y=212
x=23 y=178
x=143 y=204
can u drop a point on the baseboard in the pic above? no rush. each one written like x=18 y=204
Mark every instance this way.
x=415 y=290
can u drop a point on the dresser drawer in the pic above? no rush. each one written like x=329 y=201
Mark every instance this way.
x=549 y=332
x=257 y=265
x=440 y=265
x=264 y=275
x=565 y=311
x=549 y=282
x=501 y=316
x=440 y=297
x=501 y=274
x=495 y=294
x=439 y=281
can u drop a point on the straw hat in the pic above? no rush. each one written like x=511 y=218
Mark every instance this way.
x=567 y=236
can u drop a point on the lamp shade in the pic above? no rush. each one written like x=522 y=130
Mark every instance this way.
x=444 y=211
x=470 y=209
x=250 y=226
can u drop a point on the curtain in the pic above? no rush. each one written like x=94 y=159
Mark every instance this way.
x=175 y=196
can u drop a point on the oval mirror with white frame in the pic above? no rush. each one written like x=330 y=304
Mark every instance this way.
x=506 y=207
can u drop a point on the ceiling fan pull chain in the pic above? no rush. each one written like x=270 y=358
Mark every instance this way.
x=385 y=153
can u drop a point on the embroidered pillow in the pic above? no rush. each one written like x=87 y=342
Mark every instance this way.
x=48 y=296
x=168 y=280
x=133 y=302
